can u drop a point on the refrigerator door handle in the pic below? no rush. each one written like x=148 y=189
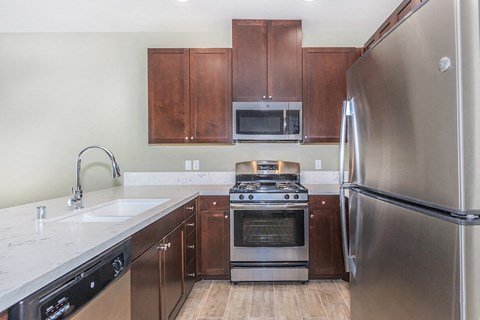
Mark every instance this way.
x=346 y=111
x=349 y=260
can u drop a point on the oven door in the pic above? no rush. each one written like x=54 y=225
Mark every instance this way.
x=269 y=233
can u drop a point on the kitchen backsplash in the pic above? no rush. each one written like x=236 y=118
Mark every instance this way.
x=205 y=178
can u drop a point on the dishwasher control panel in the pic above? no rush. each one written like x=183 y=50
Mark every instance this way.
x=65 y=296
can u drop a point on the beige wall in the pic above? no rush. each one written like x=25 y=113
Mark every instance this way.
x=60 y=92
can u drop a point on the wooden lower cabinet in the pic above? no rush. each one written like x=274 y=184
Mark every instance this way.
x=214 y=237
x=160 y=278
x=326 y=257
x=3 y=315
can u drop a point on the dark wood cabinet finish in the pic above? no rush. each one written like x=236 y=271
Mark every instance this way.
x=326 y=257
x=159 y=271
x=145 y=285
x=168 y=95
x=214 y=237
x=211 y=95
x=189 y=95
x=267 y=60
x=324 y=90
x=172 y=272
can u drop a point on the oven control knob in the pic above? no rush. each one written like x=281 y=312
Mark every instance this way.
x=287 y=196
x=295 y=196
x=250 y=197
x=241 y=197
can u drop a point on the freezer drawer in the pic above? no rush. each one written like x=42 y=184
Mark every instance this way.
x=407 y=262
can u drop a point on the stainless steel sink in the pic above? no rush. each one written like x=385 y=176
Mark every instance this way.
x=114 y=211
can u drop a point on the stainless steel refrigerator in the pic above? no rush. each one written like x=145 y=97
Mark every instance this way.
x=412 y=120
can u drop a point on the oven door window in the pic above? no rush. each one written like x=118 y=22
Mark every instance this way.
x=269 y=228
x=260 y=122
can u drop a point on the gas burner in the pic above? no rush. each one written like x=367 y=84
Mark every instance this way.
x=249 y=186
x=287 y=186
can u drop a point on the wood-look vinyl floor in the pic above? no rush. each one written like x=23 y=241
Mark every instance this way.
x=317 y=299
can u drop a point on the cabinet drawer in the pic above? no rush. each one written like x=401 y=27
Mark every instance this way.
x=190 y=247
x=191 y=224
x=214 y=202
x=323 y=202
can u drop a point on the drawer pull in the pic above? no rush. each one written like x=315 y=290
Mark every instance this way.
x=323 y=202
x=214 y=203
x=191 y=247
x=191 y=224
x=164 y=246
x=191 y=275
x=190 y=208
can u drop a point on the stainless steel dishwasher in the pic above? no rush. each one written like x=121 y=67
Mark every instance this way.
x=97 y=290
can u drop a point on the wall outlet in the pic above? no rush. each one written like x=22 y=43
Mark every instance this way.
x=318 y=164
x=188 y=165
x=196 y=164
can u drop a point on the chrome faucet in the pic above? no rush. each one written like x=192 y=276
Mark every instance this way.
x=76 y=200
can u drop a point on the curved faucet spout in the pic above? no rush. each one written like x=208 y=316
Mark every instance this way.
x=76 y=200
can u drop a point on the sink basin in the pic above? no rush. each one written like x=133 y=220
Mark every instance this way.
x=114 y=211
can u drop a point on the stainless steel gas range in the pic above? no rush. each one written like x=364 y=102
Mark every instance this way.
x=269 y=223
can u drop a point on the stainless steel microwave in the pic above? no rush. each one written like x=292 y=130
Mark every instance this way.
x=267 y=121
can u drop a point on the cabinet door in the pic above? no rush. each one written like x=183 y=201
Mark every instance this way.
x=215 y=242
x=172 y=271
x=324 y=90
x=145 y=277
x=168 y=95
x=325 y=244
x=210 y=95
x=284 y=60
x=249 y=42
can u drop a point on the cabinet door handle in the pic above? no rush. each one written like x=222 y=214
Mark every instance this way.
x=270 y=97
x=214 y=203
x=191 y=138
x=164 y=246
x=192 y=275
x=226 y=216
x=264 y=97
x=323 y=203
x=190 y=208
x=311 y=216
x=191 y=224
x=191 y=247
x=186 y=138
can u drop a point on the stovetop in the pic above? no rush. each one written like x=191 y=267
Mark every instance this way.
x=254 y=186
x=268 y=181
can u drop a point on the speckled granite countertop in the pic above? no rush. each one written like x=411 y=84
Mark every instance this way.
x=33 y=254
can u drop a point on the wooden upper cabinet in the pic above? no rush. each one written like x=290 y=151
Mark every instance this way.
x=324 y=90
x=211 y=95
x=249 y=60
x=285 y=60
x=168 y=95
x=267 y=60
x=189 y=95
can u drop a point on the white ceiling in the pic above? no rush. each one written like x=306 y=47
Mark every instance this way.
x=341 y=16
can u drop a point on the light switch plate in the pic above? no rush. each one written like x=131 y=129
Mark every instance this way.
x=188 y=165
x=318 y=164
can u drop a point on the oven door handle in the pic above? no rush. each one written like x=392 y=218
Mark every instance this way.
x=268 y=206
